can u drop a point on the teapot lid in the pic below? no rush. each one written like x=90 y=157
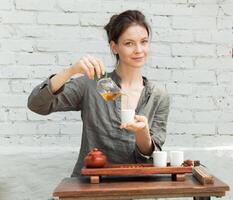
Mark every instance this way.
x=95 y=152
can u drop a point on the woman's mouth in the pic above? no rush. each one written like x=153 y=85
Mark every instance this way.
x=138 y=58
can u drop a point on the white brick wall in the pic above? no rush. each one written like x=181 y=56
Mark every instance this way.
x=191 y=56
x=191 y=49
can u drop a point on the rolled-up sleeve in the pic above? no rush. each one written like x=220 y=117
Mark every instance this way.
x=69 y=97
x=157 y=129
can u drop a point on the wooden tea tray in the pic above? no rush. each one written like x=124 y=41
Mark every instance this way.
x=178 y=173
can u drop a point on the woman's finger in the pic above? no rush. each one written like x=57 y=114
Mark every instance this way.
x=140 y=118
x=101 y=64
x=90 y=66
x=85 y=68
x=96 y=65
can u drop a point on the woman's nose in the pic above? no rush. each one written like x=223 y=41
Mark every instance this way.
x=138 y=48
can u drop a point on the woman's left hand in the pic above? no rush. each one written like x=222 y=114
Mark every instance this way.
x=140 y=125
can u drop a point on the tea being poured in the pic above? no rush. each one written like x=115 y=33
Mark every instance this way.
x=108 y=89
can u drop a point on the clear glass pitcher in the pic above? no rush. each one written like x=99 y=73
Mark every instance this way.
x=108 y=89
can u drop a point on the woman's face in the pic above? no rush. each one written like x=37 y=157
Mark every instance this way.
x=132 y=47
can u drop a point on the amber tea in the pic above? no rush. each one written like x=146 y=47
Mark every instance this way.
x=110 y=96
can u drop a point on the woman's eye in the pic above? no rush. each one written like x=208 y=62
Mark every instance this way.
x=144 y=41
x=129 y=44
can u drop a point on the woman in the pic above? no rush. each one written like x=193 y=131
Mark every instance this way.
x=128 y=36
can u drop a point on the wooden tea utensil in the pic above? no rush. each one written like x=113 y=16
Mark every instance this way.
x=201 y=174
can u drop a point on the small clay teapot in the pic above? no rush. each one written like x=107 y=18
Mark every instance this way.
x=95 y=159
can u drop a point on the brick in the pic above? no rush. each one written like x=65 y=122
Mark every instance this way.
x=200 y=50
x=60 y=33
x=179 y=89
x=48 y=128
x=225 y=77
x=34 y=143
x=159 y=49
x=194 y=23
x=158 y=74
x=207 y=116
x=17 y=114
x=55 y=117
x=94 y=19
x=192 y=143
x=202 y=129
x=7 y=31
x=177 y=1
x=219 y=37
x=167 y=35
x=214 y=63
x=35 y=59
x=73 y=115
x=203 y=1
x=213 y=90
x=170 y=9
x=17 y=17
x=198 y=103
x=111 y=6
x=194 y=76
x=79 y=5
x=205 y=10
x=18 y=128
x=224 y=22
x=3 y=115
x=71 y=128
x=13 y=100
x=23 y=86
x=225 y=102
x=66 y=59
x=229 y=90
x=140 y=5
x=58 y=18
x=48 y=5
x=11 y=72
x=4 y=86
x=227 y=8
x=71 y=45
x=7 y=58
x=225 y=128
x=192 y=128
x=43 y=72
x=160 y=21
x=226 y=116
x=5 y=5
x=17 y=45
x=172 y=62
x=177 y=115
x=28 y=72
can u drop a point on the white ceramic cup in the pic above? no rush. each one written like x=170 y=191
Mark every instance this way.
x=176 y=158
x=160 y=158
x=127 y=115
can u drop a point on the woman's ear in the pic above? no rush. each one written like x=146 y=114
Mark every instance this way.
x=113 y=47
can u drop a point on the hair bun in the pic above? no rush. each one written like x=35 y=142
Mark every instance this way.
x=109 y=25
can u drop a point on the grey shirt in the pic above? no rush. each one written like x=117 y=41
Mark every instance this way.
x=101 y=120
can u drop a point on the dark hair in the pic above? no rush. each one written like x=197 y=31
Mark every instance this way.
x=119 y=23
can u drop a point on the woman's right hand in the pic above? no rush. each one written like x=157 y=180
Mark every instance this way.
x=89 y=66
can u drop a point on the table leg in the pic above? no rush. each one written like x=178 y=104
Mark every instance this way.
x=201 y=198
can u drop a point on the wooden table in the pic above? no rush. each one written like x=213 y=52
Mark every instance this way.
x=156 y=186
